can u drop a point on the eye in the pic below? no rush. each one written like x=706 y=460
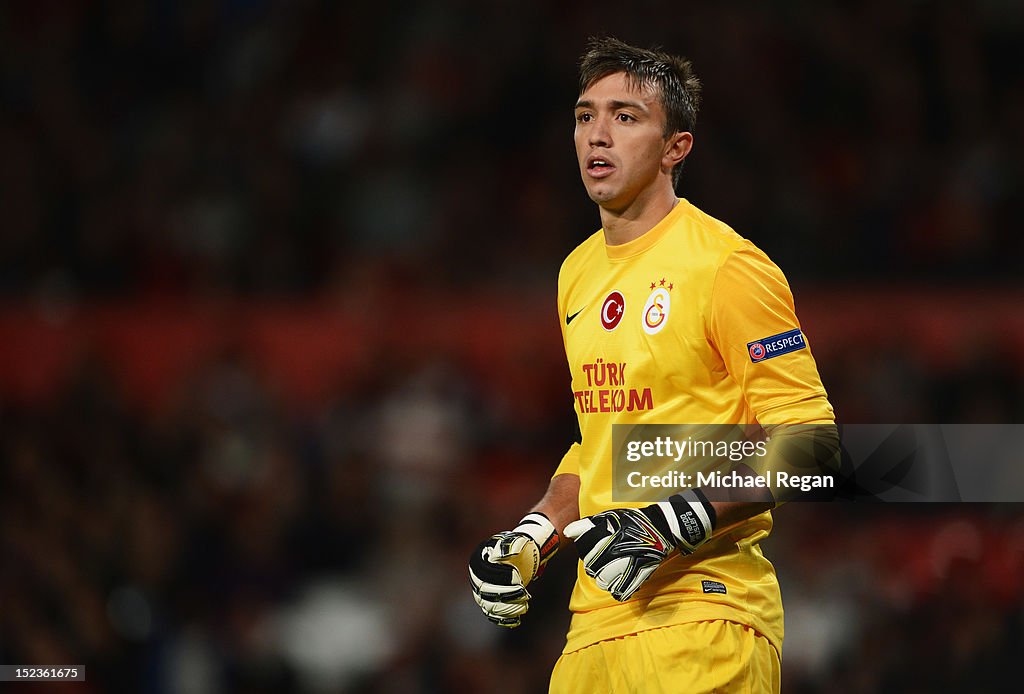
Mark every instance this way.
x=624 y=118
x=584 y=117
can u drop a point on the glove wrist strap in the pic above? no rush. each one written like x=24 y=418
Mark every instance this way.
x=691 y=519
x=540 y=529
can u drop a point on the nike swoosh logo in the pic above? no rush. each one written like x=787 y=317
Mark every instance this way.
x=569 y=319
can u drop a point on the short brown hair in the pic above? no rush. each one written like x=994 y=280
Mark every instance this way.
x=670 y=76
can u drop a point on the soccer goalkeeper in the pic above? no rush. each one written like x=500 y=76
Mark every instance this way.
x=668 y=316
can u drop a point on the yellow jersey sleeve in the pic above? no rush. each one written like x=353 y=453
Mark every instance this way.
x=570 y=464
x=754 y=327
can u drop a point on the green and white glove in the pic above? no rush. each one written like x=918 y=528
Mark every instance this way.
x=622 y=547
x=503 y=565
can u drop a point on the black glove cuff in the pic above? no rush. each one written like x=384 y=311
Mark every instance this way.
x=693 y=519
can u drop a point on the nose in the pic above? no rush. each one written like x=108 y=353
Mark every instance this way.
x=599 y=134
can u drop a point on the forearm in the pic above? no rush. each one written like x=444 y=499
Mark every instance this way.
x=561 y=502
x=801 y=449
x=730 y=513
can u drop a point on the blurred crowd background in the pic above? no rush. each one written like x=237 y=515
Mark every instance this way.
x=278 y=342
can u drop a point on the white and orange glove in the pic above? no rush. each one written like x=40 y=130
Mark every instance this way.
x=503 y=565
x=622 y=547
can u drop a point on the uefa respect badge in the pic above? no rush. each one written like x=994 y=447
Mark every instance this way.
x=776 y=345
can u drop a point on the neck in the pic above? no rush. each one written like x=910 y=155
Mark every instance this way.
x=640 y=216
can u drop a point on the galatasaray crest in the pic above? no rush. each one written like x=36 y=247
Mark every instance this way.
x=656 y=310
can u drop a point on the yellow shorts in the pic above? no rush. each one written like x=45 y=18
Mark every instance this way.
x=697 y=657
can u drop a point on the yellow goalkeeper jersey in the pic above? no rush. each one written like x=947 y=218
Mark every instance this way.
x=689 y=323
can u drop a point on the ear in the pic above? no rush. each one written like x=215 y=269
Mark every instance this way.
x=677 y=147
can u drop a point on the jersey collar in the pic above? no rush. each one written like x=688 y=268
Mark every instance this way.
x=648 y=238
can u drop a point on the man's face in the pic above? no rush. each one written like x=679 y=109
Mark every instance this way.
x=620 y=142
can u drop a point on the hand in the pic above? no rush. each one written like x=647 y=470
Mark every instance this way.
x=622 y=547
x=503 y=565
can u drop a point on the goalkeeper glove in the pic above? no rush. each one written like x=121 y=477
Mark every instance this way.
x=503 y=565
x=622 y=547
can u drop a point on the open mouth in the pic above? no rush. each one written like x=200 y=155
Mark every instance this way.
x=599 y=166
